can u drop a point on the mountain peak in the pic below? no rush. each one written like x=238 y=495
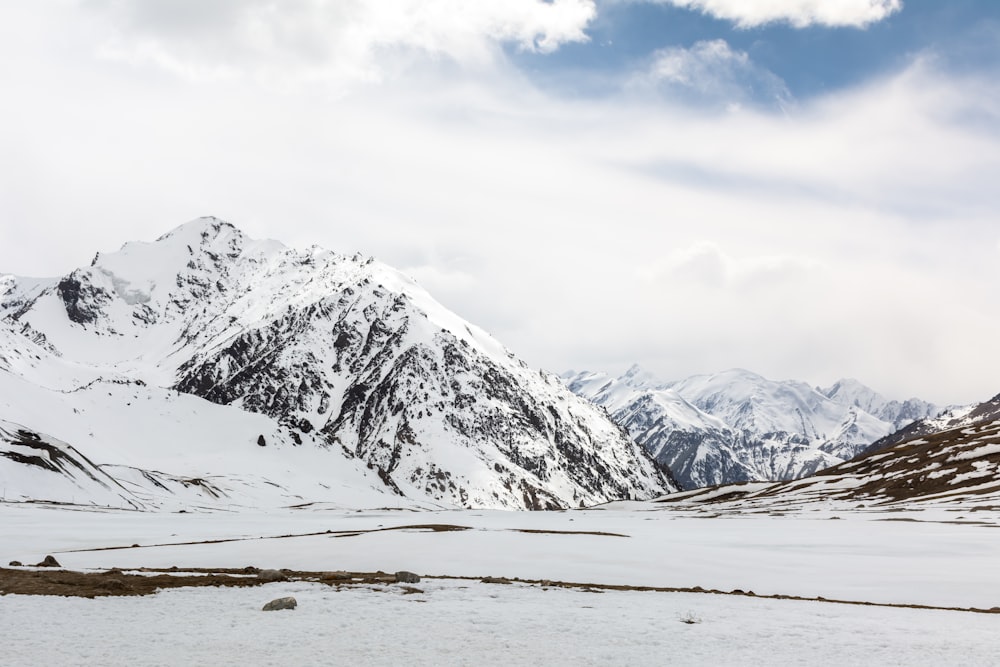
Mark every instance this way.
x=845 y=384
x=205 y=228
x=742 y=373
x=848 y=391
x=208 y=234
x=639 y=378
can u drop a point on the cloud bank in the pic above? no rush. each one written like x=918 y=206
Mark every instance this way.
x=797 y=13
x=714 y=73
x=335 y=41
x=852 y=235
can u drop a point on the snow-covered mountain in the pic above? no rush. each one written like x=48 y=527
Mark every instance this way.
x=950 y=459
x=300 y=374
x=737 y=426
x=852 y=393
x=951 y=419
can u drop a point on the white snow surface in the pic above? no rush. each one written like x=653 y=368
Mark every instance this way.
x=463 y=623
x=146 y=435
x=930 y=559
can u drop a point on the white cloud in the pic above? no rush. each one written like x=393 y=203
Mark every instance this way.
x=711 y=71
x=442 y=281
x=338 y=41
x=853 y=236
x=798 y=13
x=706 y=264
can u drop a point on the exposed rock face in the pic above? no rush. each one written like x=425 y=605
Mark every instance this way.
x=343 y=353
x=83 y=302
x=737 y=426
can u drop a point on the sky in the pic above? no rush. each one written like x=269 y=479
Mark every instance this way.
x=803 y=188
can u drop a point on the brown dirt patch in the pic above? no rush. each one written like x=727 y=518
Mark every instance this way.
x=427 y=527
x=92 y=584
x=146 y=581
x=535 y=531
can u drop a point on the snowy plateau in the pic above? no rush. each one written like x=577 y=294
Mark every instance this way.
x=737 y=426
x=197 y=426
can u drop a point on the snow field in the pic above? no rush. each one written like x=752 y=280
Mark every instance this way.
x=454 y=622
x=862 y=557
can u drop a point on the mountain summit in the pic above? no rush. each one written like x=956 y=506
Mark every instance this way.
x=338 y=355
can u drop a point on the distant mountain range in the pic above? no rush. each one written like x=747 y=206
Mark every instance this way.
x=737 y=426
x=950 y=460
x=206 y=368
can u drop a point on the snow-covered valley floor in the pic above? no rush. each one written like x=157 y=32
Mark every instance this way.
x=934 y=557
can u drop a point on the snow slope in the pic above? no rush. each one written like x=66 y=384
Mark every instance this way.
x=340 y=356
x=156 y=448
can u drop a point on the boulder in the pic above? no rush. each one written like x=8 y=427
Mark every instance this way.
x=281 y=603
x=404 y=577
x=271 y=575
x=15 y=563
x=49 y=562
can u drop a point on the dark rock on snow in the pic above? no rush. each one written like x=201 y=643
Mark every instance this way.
x=280 y=603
